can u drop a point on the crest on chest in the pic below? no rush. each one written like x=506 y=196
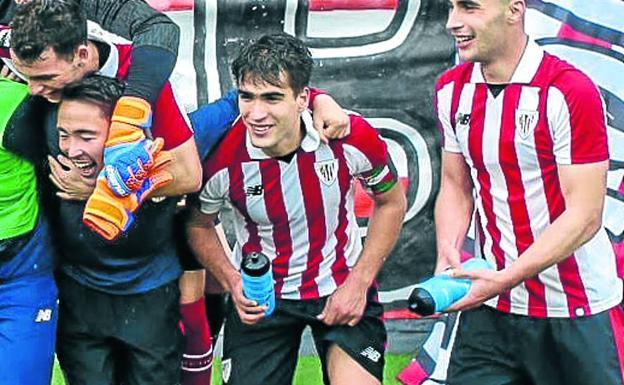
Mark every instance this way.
x=327 y=171
x=526 y=121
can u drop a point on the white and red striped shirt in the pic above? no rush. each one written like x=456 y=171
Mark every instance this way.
x=299 y=213
x=549 y=114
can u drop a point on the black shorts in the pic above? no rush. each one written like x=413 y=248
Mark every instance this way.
x=106 y=339
x=494 y=348
x=266 y=353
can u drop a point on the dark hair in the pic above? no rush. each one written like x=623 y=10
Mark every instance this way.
x=41 y=24
x=266 y=60
x=97 y=89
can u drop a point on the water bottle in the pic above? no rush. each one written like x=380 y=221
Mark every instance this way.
x=257 y=278
x=441 y=291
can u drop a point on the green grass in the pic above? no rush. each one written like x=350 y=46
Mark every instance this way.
x=308 y=370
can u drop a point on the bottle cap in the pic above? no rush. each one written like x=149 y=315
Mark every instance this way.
x=255 y=264
x=421 y=302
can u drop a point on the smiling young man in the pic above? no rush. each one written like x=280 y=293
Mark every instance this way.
x=119 y=302
x=292 y=197
x=48 y=42
x=524 y=132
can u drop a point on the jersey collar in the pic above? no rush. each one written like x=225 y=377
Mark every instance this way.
x=526 y=70
x=110 y=67
x=310 y=142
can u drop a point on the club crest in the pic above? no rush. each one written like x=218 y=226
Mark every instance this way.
x=327 y=170
x=526 y=120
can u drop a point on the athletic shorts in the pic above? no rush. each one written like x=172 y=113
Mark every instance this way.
x=28 y=312
x=494 y=348
x=106 y=339
x=266 y=353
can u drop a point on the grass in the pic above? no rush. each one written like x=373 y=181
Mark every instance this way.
x=308 y=370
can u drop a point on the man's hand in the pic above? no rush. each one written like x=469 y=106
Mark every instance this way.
x=448 y=257
x=329 y=118
x=110 y=215
x=6 y=72
x=128 y=154
x=66 y=177
x=346 y=305
x=248 y=311
x=486 y=284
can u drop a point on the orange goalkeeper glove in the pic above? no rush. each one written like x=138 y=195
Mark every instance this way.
x=110 y=215
x=128 y=154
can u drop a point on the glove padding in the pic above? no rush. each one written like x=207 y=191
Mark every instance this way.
x=110 y=215
x=128 y=154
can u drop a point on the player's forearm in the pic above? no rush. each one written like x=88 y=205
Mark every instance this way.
x=185 y=169
x=205 y=243
x=566 y=234
x=155 y=39
x=136 y=21
x=453 y=212
x=384 y=228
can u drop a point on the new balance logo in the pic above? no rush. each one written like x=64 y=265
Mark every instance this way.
x=254 y=190
x=44 y=315
x=463 y=119
x=371 y=354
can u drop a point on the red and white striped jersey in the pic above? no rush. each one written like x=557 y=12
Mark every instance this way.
x=299 y=213
x=549 y=114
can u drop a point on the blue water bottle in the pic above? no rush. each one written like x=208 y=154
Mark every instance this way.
x=441 y=291
x=257 y=278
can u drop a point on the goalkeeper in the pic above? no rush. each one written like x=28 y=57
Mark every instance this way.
x=119 y=308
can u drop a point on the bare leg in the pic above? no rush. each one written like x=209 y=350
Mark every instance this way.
x=344 y=370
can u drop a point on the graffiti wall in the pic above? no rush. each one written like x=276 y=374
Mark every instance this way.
x=380 y=58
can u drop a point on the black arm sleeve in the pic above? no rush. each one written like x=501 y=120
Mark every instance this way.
x=155 y=39
x=7 y=9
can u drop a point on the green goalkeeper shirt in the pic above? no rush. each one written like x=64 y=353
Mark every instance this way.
x=18 y=186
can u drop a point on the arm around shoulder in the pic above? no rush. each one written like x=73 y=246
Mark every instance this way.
x=185 y=169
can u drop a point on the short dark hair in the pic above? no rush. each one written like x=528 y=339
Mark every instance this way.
x=97 y=89
x=41 y=24
x=266 y=59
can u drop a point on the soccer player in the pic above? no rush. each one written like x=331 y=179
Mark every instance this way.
x=119 y=308
x=28 y=312
x=524 y=140
x=292 y=197
x=155 y=40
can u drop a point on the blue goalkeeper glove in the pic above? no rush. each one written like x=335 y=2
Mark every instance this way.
x=128 y=154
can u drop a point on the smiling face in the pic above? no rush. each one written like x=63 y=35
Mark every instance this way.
x=272 y=114
x=49 y=74
x=83 y=128
x=480 y=28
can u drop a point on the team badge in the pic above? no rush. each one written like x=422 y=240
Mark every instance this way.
x=526 y=120
x=226 y=370
x=327 y=170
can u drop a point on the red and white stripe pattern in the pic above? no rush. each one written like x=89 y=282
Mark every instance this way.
x=549 y=114
x=300 y=214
